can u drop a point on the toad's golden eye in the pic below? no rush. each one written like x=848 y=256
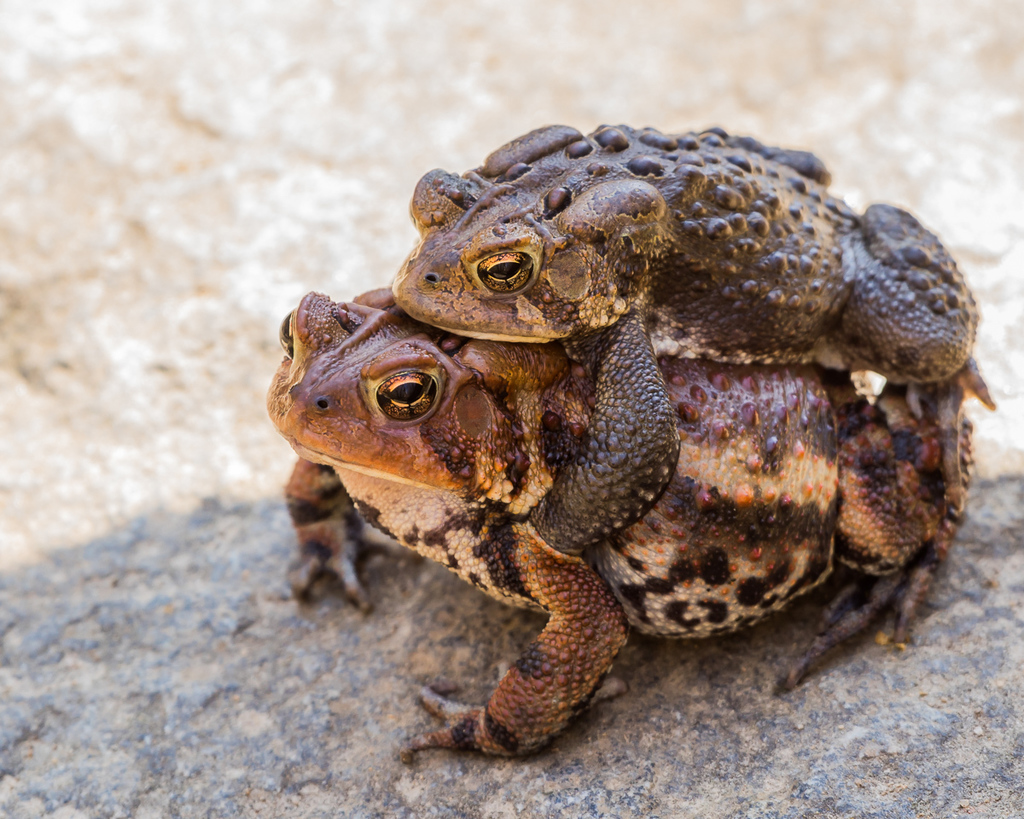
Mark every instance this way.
x=408 y=395
x=507 y=271
x=286 y=336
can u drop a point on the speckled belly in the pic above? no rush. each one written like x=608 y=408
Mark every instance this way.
x=747 y=522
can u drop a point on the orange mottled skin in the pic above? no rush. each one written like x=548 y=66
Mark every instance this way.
x=781 y=470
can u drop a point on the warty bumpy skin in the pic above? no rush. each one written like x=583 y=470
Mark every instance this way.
x=631 y=431
x=722 y=247
x=764 y=480
x=742 y=251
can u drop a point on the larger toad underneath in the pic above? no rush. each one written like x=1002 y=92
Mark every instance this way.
x=451 y=444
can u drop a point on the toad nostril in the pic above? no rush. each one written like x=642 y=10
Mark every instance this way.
x=432 y=278
x=323 y=402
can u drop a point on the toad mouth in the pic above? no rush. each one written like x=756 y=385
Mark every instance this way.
x=321 y=458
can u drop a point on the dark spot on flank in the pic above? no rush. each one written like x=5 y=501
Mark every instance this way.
x=679 y=572
x=634 y=564
x=779 y=574
x=636 y=596
x=716 y=609
x=659 y=585
x=498 y=553
x=714 y=567
x=679 y=608
x=435 y=538
x=462 y=521
x=372 y=516
x=676 y=612
x=750 y=591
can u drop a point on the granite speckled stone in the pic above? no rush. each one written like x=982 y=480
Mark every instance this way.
x=163 y=670
x=175 y=175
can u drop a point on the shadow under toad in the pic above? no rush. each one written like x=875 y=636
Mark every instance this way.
x=168 y=657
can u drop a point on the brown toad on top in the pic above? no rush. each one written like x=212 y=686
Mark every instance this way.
x=707 y=245
x=450 y=445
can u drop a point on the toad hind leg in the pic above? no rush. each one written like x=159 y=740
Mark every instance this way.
x=910 y=315
x=558 y=673
x=895 y=524
x=631 y=448
x=330 y=532
x=946 y=402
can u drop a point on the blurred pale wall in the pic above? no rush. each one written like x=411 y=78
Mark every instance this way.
x=175 y=175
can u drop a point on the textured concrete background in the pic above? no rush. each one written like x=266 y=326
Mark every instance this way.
x=175 y=175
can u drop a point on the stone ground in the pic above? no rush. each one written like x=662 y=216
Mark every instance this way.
x=175 y=175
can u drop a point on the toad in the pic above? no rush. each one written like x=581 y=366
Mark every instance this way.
x=625 y=244
x=451 y=444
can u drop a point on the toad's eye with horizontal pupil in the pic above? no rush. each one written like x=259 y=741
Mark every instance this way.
x=505 y=272
x=405 y=396
x=286 y=336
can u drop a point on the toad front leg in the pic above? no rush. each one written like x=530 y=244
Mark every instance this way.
x=557 y=675
x=330 y=532
x=632 y=444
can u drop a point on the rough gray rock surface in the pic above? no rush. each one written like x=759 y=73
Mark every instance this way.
x=175 y=174
x=164 y=671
